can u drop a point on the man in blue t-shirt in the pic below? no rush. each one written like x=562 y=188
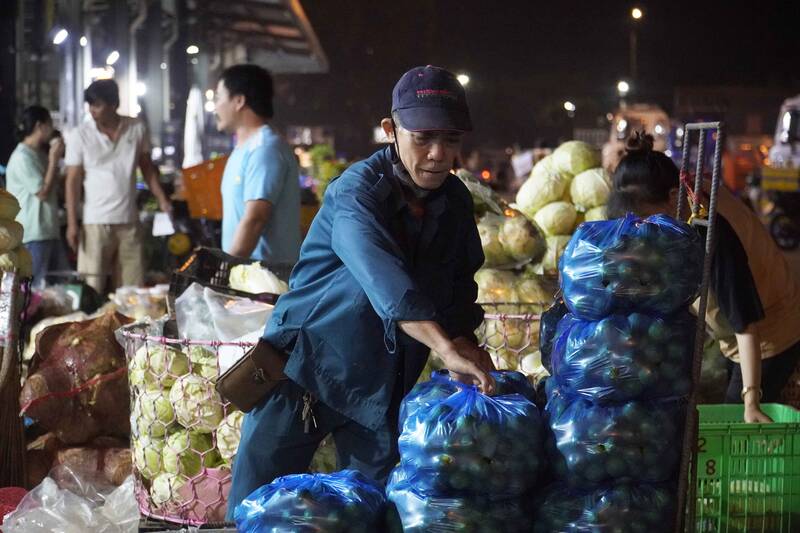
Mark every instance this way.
x=260 y=185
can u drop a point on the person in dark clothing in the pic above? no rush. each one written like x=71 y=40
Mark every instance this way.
x=385 y=275
x=754 y=303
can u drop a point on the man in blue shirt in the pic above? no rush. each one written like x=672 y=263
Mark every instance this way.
x=260 y=185
x=385 y=276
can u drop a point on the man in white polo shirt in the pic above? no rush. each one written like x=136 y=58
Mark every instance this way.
x=102 y=155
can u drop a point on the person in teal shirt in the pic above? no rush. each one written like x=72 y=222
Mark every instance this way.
x=385 y=276
x=32 y=176
x=260 y=185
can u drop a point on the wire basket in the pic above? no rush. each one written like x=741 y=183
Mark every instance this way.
x=510 y=333
x=183 y=434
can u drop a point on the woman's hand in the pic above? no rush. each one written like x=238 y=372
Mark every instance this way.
x=752 y=408
x=56 y=150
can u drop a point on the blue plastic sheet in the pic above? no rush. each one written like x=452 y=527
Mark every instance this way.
x=619 y=508
x=470 y=443
x=442 y=385
x=629 y=264
x=344 y=501
x=636 y=441
x=624 y=357
x=440 y=514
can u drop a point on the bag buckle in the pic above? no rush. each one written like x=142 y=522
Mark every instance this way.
x=259 y=377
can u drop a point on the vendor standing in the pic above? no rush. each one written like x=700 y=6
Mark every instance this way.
x=754 y=301
x=260 y=186
x=385 y=275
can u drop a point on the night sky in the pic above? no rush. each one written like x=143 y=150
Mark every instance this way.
x=526 y=57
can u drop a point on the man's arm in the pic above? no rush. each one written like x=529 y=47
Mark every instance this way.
x=245 y=238
x=150 y=174
x=72 y=193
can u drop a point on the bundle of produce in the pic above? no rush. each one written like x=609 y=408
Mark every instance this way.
x=623 y=357
x=77 y=386
x=636 y=441
x=621 y=362
x=652 y=265
x=510 y=240
x=564 y=189
x=470 y=443
x=442 y=385
x=344 y=501
x=484 y=199
x=479 y=514
x=13 y=256
x=621 y=508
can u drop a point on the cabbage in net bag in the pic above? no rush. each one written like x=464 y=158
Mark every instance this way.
x=652 y=266
x=345 y=501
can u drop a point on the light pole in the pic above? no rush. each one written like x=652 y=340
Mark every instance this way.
x=636 y=15
x=623 y=87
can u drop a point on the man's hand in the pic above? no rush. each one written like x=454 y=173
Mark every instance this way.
x=469 y=364
x=56 y=150
x=165 y=205
x=73 y=237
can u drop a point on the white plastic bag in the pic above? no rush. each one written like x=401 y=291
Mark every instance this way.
x=204 y=314
x=66 y=503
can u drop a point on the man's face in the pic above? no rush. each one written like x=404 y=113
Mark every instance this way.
x=429 y=156
x=226 y=108
x=101 y=111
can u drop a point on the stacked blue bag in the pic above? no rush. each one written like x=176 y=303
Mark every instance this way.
x=341 y=502
x=467 y=460
x=621 y=370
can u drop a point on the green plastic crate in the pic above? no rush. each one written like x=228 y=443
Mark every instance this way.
x=748 y=475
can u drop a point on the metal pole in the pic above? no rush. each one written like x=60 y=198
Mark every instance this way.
x=633 y=45
x=682 y=193
x=686 y=491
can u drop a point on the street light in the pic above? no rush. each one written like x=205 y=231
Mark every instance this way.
x=60 y=36
x=569 y=106
x=112 y=58
x=636 y=13
x=463 y=79
x=141 y=88
x=84 y=41
x=623 y=87
x=192 y=49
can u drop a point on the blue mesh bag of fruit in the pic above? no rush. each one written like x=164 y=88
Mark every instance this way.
x=344 y=501
x=624 y=357
x=629 y=264
x=592 y=444
x=442 y=385
x=471 y=443
x=419 y=513
x=619 y=508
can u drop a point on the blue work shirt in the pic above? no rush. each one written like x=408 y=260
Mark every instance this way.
x=358 y=276
x=264 y=168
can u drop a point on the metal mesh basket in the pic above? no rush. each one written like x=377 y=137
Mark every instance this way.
x=183 y=434
x=510 y=333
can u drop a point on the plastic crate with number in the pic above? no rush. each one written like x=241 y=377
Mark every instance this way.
x=748 y=475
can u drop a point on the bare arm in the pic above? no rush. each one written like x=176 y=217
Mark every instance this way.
x=72 y=193
x=50 y=176
x=750 y=359
x=245 y=238
x=150 y=173
x=460 y=355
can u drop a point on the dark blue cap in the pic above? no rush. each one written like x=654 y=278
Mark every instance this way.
x=431 y=98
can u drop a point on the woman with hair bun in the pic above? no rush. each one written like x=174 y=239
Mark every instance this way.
x=754 y=301
x=32 y=176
